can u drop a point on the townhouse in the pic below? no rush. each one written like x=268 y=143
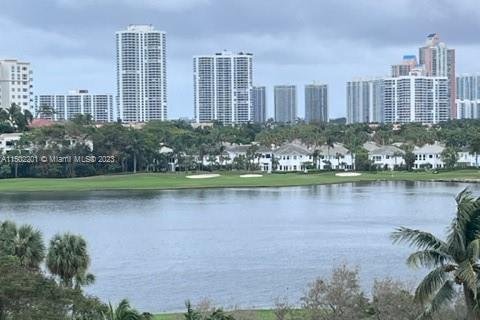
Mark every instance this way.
x=387 y=157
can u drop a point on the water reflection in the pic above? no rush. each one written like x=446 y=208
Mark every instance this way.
x=237 y=246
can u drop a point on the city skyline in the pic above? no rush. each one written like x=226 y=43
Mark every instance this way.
x=319 y=49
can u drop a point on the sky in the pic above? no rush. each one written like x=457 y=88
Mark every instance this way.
x=71 y=43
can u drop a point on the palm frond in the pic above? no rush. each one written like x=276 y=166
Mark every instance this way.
x=444 y=295
x=466 y=273
x=473 y=250
x=430 y=284
x=418 y=238
x=428 y=258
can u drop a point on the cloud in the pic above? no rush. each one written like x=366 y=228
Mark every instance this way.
x=160 y=5
x=292 y=41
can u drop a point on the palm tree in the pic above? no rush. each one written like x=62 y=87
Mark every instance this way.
x=123 y=311
x=454 y=261
x=68 y=259
x=25 y=243
x=191 y=314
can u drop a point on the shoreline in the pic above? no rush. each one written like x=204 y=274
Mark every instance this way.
x=179 y=181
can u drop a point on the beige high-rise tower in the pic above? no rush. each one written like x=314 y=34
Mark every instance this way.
x=439 y=61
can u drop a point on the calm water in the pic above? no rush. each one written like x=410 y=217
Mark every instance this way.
x=236 y=246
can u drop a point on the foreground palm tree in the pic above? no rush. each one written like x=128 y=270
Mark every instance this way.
x=454 y=261
x=24 y=242
x=124 y=312
x=68 y=259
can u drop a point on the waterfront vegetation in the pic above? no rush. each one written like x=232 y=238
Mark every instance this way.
x=142 y=148
x=179 y=180
x=42 y=281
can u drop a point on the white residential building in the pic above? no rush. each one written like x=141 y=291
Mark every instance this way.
x=335 y=157
x=16 y=84
x=468 y=97
x=429 y=156
x=365 y=101
x=467 y=158
x=416 y=98
x=66 y=107
x=293 y=157
x=387 y=157
x=141 y=74
x=222 y=85
x=8 y=141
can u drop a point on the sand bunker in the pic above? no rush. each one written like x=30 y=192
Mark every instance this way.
x=348 y=174
x=251 y=176
x=203 y=176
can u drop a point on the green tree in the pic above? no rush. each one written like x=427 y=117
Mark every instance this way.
x=191 y=313
x=68 y=259
x=24 y=242
x=454 y=261
x=450 y=157
x=409 y=158
x=123 y=311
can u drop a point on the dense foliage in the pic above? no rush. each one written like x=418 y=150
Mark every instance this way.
x=140 y=149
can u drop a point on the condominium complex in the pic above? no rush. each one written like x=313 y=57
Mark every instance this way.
x=416 y=98
x=66 y=107
x=316 y=103
x=285 y=97
x=16 y=84
x=259 y=104
x=439 y=61
x=141 y=74
x=222 y=87
x=365 y=101
x=468 y=97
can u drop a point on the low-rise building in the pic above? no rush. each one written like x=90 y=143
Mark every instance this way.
x=293 y=157
x=335 y=157
x=429 y=156
x=8 y=141
x=387 y=157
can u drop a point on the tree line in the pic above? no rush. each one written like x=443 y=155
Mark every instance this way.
x=140 y=149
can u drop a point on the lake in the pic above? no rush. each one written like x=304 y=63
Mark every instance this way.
x=241 y=247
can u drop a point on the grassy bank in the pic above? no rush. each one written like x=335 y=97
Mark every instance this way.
x=159 y=181
x=258 y=314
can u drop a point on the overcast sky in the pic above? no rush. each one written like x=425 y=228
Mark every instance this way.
x=71 y=43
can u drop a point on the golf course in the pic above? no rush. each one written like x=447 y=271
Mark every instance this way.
x=169 y=181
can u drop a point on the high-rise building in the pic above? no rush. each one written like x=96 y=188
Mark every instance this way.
x=66 y=107
x=285 y=97
x=468 y=97
x=316 y=103
x=403 y=69
x=259 y=104
x=141 y=74
x=439 y=61
x=365 y=101
x=222 y=85
x=16 y=84
x=416 y=98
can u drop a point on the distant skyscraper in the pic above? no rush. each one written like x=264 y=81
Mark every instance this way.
x=403 y=69
x=16 y=84
x=365 y=101
x=316 y=103
x=416 y=98
x=66 y=107
x=439 y=61
x=259 y=104
x=141 y=74
x=222 y=85
x=468 y=97
x=285 y=97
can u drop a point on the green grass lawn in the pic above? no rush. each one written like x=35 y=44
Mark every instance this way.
x=159 y=181
x=258 y=314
